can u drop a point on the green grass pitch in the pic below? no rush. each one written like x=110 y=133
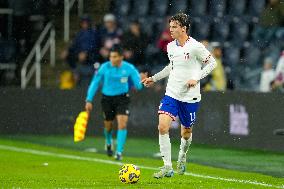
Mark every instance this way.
x=26 y=164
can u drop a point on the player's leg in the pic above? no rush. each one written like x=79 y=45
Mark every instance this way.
x=121 y=134
x=122 y=113
x=165 y=146
x=167 y=112
x=185 y=141
x=187 y=115
x=109 y=115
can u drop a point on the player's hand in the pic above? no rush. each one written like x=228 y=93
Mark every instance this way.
x=147 y=82
x=143 y=75
x=89 y=107
x=191 y=83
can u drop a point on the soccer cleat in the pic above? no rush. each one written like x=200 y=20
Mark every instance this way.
x=118 y=156
x=181 y=167
x=165 y=171
x=109 y=150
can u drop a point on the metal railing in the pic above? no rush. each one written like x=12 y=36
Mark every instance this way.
x=37 y=53
x=68 y=4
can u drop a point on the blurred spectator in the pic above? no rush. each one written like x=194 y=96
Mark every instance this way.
x=134 y=42
x=206 y=44
x=163 y=41
x=165 y=38
x=218 y=81
x=81 y=55
x=267 y=76
x=279 y=79
x=271 y=20
x=110 y=34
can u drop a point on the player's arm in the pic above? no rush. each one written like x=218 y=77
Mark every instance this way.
x=162 y=74
x=204 y=56
x=158 y=76
x=210 y=65
x=207 y=59
x=93 y=88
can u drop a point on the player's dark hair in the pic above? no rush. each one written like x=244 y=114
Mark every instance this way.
x=118 y=49
x=182 y=19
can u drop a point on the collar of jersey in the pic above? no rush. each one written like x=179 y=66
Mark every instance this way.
x=184 y=43
x=122 y=62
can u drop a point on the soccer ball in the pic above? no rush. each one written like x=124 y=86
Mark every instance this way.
x=129 y=173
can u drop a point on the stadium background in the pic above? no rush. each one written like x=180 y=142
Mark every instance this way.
x=241 y=126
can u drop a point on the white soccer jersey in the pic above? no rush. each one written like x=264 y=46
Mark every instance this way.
x=185 y=64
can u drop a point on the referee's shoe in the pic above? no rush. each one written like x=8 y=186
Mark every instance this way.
x=118 y=156
x=109 y=150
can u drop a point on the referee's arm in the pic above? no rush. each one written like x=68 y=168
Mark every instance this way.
x=135 y=77
x=95 y=85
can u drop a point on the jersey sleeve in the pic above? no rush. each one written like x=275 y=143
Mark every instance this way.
x=202 y=53
x=204 y=56
x=135 y=78
x=97 y=78
x=162 y=74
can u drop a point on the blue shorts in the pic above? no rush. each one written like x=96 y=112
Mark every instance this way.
x=184 y=110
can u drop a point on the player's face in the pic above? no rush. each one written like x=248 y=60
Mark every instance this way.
x=115 y=58
x=176 y=30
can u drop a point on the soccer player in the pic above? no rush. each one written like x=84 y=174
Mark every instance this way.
x=115 y=76
x=189 y=63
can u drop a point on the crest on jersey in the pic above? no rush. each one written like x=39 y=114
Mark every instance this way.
x=186 y=56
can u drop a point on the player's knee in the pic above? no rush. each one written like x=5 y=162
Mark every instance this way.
x=186 y=133
x=123 y=126
x=186 y=136
x=163 y=128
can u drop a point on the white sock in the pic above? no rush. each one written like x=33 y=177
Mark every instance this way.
x=165 y=149
x=183 y=148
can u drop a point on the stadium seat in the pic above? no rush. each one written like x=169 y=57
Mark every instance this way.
x=178 y=6
x=158 y=25
x=122 y=7
x=217 y=7
x=140 y=8
x=160 y=7
x=220 y=30
x=200 y=28
x=251 y=55
x=147 y=24
x=236 y=8
x=7 y=61
x=240 y=31
x=256 y=7
x=197 y=7
x=7 y=51
x=231 y=56
x=123 y=21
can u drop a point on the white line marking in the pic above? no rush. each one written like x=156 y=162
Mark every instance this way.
x=67 y=156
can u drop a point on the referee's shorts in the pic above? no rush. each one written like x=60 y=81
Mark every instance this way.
x=115 y=105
